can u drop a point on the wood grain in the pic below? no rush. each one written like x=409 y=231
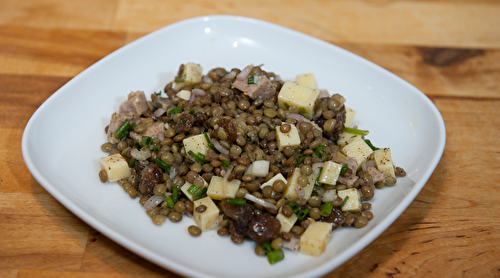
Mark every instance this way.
x=449 y=49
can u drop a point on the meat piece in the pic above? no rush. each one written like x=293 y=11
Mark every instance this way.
x=336 y=218
x=155 y=131
x=376 y=174
x=149 y=176
x=136 y=103
x=116 y=121
x=263 y=227
x=261 y=89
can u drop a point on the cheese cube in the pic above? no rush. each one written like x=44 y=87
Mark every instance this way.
x=353 y=204
x=259 y=168
x=290 y=192
x=308 y=189
x=217 y=190
x=286 y=222
x=290 y=138
x=357 y=149
x=115 y=166
x=383 y=160
x=349 y=116
x=196 y=143
x=315 y=238
x=209 y=219
x=345 y=138
x=330 y=173
x=304 y=97
x=191 y=75
x=185 y=188
x=273 y=179
x=329 y=195
x=184 y=94
x=307 y=79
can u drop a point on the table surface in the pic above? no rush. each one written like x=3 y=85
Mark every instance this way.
x=449 y=49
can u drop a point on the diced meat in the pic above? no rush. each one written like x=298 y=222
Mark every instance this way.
x=376 y=174
x=136 y=103
x=261 y=89
x=155 y=131
x=116 y=121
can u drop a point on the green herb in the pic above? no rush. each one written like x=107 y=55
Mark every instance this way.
x=193 y=189
x=132 y=162
x=225 y=164
x=317 y=152
x=170 y=201
x=343 y=169
x=122 y=131
x=344 y=202
x=174 y=193
x=294 y=206
x=200 y=193
x=191 y=112
x=238 y=202
x=326 y=209
x=316 y=182
x=156 y=149
x=133 y=125
x=209 y=143
x=146 y=141
x=353 y=136
x=297 y=162
x=275 y=256
x=371 y=145
x=266 y=246
x=356 y=131
x=303 y=213
x=200 y=158
x=174 y=111
x=286 y=105
x=157 y=94
x=180 y=78
x=136 y=144
x=302 y=111
x=250 y=80
x=163 y=165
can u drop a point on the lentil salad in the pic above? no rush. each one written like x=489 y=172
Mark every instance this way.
x=239 y=152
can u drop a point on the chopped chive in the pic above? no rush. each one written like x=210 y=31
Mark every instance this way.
x=316 y=182
x=156 y=149
x=250 y=80
x=303 y=213
x=275 y=256
x=225 y=164
x=136 y=144
x=302 y=111
x=191 y=112
x=132 y=162
x=238 y=202
x=146 y=141
x=200 y=158
x=369 y=143
x=345 y=201
x=343 y=169
x=326 y=209
x=170 y=201
x=317 y=151
x=180 y=78
x=200 y=193
x=175 y=191
x=297 y=162
x=174 y=111
x=163 y=165
x=157 y=94
x=286 y=105
x=267 y=246
x=209 y=143
x=122 y=131
x=133 y=125
x=193 y=189
x=294 y=206
x=356 y=131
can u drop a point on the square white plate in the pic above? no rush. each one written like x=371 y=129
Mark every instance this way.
x=61 y=142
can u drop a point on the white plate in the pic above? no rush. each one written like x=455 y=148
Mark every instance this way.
x=61 y=142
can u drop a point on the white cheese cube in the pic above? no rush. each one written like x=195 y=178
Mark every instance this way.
x=191 y=75
x=307 y=79
x=330 y=173
x=383 y=160
x=290 y=138
x=290 y=192
x=209 y=219
x=196 y=143
x=115 y=166
x=303 y=97
x=353 y=204
x=344 y=138
x=273 y=179
x=315 y=238
x=349 y=116
x=185 y=188
x=259 y=168
x=357 y=149
x=217 y=190
x=184 y=94
x=286 y=222
x=308 y=189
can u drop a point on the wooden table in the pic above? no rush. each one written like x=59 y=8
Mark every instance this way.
x=449 y=49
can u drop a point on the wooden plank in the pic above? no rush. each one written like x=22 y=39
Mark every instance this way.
x=27 y=273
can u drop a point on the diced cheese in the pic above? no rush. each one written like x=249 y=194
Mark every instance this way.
x=191 y=75
x=357 y=149
x=217 y=190
x=349 y=116
x=308 y=189
x=353 y=204
x=184 y=94
x=209 y=219
x=273 y=179
x=345 y=137
x=383 y=160
x=115 y=166
x=290 y=192
x=330 y=173
x=307 y=79
x=315 y=238
x=303 y=97
x=185 y=188
x=290 y=138
x=196 y=143
x=259 y=168
x=286 y=222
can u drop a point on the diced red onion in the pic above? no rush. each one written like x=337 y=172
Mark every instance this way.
x=323 y=93
x=243 y=75
x=140 y=155
x=318 y=165
x=153 y=202
x=220 y=148
x=173 y=170
x=300 y=192
x=198 y=92
x=260 y=201
x=191 y=98
x=297 y=117
x=207 y=79
x=161 y=135
x=293 y=244
x=188 y=213
x=158 y=112
x=230 y=75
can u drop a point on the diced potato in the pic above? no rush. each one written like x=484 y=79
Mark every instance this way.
x=115 y=166
x=217 y=190
x=290 y=192
x=330 y=173
x=273 y=179
x=290 y=138
x=286 y=222
x=196 y=143
x=383 y=160
x=308 y=189
x=353 y=204
x=191 y=74
x=315 y=238
x=209 y=219
x=345 y=138
x=303 y=97
x=259 y=168
x=349 y=116
x=307 y=79
x=357 y=149
x=184 y=94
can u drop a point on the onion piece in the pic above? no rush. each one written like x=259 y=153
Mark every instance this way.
x=153 y=202
x=158 y=112
x=297 y=117
x=173 y=171
x=191 y=98
x=207 y=79
x=318 y=165
x=300 y=192
x=140 y=155
x=197 y=92
x=293 y=244
x=323 y=93
x=260 y=201
x=219 y=147
x=230 y=75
